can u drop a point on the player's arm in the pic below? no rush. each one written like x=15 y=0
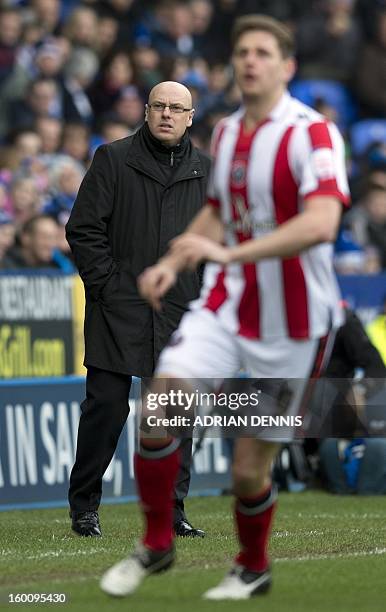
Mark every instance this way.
x=318 y=223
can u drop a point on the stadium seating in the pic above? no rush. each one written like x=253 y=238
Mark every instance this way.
x=365 y=133
x=333 y=93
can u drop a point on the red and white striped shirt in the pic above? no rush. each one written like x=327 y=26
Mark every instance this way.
x=260 y=180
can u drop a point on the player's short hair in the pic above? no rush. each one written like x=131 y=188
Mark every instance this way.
x=263 y=23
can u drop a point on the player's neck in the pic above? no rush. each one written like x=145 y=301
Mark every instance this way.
x=257 y=109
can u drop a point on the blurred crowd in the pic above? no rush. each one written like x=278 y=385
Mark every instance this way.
x=76 y=74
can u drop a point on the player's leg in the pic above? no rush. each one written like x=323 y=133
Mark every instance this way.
x=254 y=509
x=198 y=350
x=291 y=363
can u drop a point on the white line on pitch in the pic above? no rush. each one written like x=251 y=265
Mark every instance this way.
x=358 y=553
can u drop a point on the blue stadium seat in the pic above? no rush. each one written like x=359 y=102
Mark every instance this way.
x=365 y=133
x=332 y=92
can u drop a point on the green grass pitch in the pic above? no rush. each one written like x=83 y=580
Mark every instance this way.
x=328 y=554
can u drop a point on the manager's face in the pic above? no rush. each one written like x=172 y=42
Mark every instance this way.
x=169 y=112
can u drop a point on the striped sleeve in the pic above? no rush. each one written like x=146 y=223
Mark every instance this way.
x=319 y=161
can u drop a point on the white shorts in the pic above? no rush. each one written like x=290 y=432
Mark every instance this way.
x=201 y=349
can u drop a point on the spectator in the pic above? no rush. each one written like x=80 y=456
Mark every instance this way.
x=351 y=258
x=48 y=14
x=174 y=33
x=371 y=71
x=76 y=142
x=79 y=74
x=4 y=197
x=49 y=59
x=197 y=84
x=38 y=247
x=376 y=225
x=367 y=11
x=25 y=199
x=108 y=28
x=9 y=161
x=223 y=17
x=125 y=13
x=50 y=132
x=369 y=221
x=42 y=99
x=146 y=63
x=7 y=235
x=284 y=10
x=26 y=142
x=201 y=18
x=65 y=178
x=81 y=28
x=117 y=73
x=112 y=128
x=129 y=107
x=328 y=42
x=10 y=30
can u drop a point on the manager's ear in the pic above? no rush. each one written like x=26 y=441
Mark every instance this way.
x=190 y=118
x=146 y=111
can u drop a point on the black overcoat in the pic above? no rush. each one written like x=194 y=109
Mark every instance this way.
x=125 y=214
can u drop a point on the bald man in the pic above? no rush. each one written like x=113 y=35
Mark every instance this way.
x=139 y=193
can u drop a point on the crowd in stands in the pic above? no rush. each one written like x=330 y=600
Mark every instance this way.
x=74 y=75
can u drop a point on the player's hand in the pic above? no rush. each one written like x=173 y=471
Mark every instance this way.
x=193 y=249
x=155 y=281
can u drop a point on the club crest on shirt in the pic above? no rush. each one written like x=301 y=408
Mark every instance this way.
x=238 y=173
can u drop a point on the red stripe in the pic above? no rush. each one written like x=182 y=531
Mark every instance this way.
x=218 y=294
x=320 y=136
x=249 y=307
x=213 y=202
x=285 y=196
x=331 y=191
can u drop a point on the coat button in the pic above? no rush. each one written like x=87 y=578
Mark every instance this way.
x=195 y=172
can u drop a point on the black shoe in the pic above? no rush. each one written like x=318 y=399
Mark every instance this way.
x=86 y=524
x=184 y=529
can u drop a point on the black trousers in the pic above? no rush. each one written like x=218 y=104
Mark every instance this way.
x=103 y=416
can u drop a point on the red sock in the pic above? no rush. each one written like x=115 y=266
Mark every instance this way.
x=155 y=483
x=254 y=519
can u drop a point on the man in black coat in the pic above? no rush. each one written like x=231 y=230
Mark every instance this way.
x=139 y=193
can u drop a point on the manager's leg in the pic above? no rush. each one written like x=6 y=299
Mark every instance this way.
x=103 y=415
x=182 y=526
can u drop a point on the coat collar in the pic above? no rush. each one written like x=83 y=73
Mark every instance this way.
x=142 y=158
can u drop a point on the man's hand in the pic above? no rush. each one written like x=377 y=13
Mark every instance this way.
x=155 y=281
x=192 y=249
